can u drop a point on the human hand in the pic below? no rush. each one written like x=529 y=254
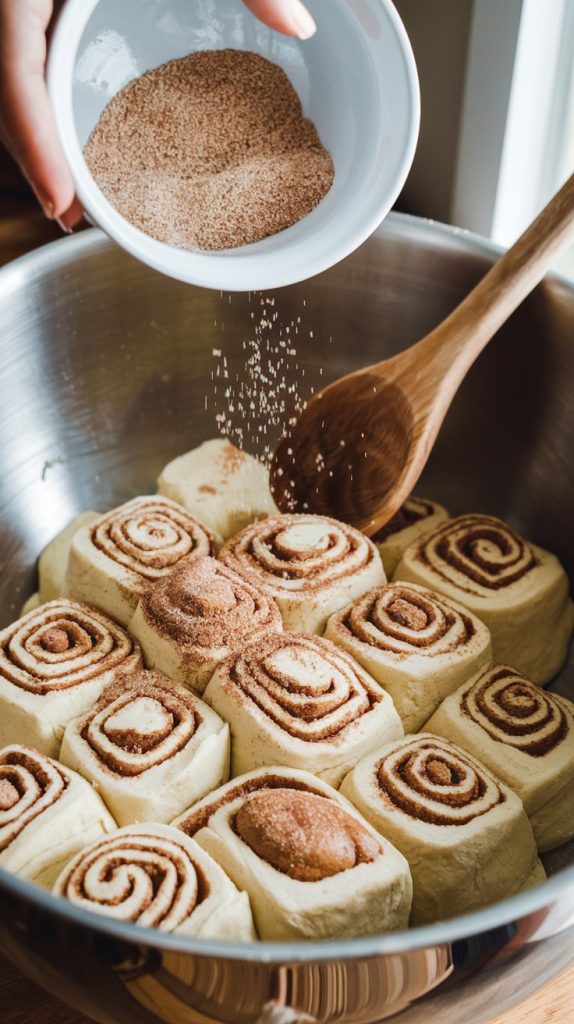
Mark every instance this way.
x=26 y=121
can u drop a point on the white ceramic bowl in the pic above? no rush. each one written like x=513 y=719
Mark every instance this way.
x=356 y=78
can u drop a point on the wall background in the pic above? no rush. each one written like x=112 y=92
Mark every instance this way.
x=439 y=31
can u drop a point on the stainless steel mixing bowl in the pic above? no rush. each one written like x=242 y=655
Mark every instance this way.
x=107 y=370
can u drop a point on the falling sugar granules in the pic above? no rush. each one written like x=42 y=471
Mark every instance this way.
x=256 y=401
x=210 y=152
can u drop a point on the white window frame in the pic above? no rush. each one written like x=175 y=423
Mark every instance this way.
x=512 y=151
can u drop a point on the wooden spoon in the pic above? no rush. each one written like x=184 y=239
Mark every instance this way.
x=360 y=445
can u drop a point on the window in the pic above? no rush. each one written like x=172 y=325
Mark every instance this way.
x=516 y=142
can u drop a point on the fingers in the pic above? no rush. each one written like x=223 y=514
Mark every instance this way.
x=288 y=16
x=26 y=120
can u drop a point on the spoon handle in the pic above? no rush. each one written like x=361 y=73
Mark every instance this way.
x=462 y=336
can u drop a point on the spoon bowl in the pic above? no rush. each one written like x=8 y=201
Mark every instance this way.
x=319 y=466
x=360 y=445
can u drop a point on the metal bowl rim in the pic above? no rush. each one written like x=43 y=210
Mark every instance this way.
x=62 y=250
x=399 y=225
x=498 y=915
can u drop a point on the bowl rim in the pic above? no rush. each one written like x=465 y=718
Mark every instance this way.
x=241 y=269
x=500 y=914
x=442 y=933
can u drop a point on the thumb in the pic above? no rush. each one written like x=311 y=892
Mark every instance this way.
x=288 y=16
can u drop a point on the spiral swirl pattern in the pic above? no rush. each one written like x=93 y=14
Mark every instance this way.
x=434 y=781
x=304 y=684
x=203 y=604
x=515 y=712
x=403 y=619
x=478 y=554
x=140 y=723
x=63 y=644
x=149 y=536
x=29 y=785
x=137 y=875
x=298 y=553
x=414 y=510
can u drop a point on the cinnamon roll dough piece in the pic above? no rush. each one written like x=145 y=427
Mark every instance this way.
x=54 y=664
x=113 y=560
x=465 y=835
x=53 y=560
x=417 y=517
x=225 y=488
x=310 y=565
x=313 y=868
x=519 y=590
x=154 y=876
x=525 y=735
x=47 y=814
x=149 y=747
x=418 y=645
x=298 y=700
x=198 y=615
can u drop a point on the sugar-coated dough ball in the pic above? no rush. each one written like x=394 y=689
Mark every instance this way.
x=313 y=868
x=196 y=616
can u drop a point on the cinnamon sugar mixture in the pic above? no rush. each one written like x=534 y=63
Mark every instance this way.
x=204 y=604
x=306 y=837
x=210 y=152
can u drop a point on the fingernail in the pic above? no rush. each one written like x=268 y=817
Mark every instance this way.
x=302 y=21
x=48 y=207
x=65 y=227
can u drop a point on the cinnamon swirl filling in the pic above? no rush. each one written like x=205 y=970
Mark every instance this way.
x=150 y=880
x=478 y=554
x=404 y=619
x=63 y=644
x=30 y=784
x=139 y=723
x=304 y=684
x=301 y=553
x=514 y=711
x=150 y=535
x=434 y=781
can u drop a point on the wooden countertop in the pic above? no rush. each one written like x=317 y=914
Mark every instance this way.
x=23 y=228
